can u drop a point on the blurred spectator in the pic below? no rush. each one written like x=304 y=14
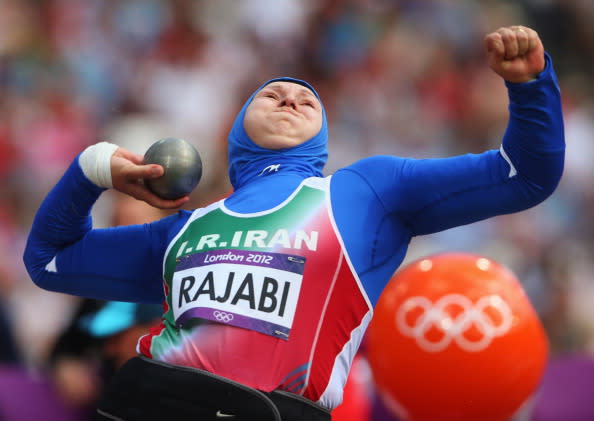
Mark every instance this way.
x=74 y=364
x=100 y=338
x=10 y=353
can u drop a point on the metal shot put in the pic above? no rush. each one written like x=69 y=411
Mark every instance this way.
x=182 y=164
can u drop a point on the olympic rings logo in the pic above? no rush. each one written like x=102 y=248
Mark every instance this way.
x=222 y=316
x=434 y=315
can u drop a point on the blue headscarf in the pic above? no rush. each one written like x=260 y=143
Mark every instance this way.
x=247 y=160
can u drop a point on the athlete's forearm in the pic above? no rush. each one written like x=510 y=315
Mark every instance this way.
x=63 y=217
x=534 y=143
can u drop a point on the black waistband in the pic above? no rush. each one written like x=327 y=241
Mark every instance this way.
x=146 y=390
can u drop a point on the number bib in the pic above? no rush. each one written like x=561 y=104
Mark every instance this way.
x=249 y=289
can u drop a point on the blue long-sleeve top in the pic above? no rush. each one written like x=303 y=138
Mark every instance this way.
x=379 y=204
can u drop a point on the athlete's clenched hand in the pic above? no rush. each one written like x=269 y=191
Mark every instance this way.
x=515 y=53
x=128 y=174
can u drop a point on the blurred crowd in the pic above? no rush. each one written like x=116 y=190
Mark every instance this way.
x=403 y=77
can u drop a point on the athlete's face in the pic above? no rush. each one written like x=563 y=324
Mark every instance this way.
x=283 y=115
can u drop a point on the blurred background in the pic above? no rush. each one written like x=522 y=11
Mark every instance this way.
x=403 y=77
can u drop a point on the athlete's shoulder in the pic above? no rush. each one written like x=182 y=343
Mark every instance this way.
x=368 y=178
x=373 y=167
x=171 y=224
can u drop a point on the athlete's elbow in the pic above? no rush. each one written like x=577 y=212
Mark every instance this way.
x=550 y=182
x=537 y=193
x=40 y=280
x=37 y=270
x=550 y=188
x=541 y=184
x=38 y=276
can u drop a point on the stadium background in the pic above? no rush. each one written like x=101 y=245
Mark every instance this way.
x=397 y=77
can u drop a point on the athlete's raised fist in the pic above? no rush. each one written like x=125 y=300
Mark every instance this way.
x=515 y=53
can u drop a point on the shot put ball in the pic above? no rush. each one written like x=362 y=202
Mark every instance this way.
x=182 y=164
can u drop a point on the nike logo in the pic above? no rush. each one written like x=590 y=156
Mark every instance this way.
x=219 y=414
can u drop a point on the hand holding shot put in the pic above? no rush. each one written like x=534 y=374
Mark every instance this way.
x=129 y=175
x=267 y=293
x=164 y=177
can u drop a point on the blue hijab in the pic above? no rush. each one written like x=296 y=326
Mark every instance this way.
x=248 y=160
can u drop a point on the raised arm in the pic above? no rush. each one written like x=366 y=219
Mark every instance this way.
x=399 y=198
x=435 y=194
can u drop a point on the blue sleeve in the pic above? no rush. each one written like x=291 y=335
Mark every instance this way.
x=399 y=198
x=64 y=254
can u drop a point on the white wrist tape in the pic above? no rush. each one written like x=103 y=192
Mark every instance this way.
x=95 y=162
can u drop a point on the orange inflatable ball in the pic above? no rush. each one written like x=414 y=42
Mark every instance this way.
x=455 y=338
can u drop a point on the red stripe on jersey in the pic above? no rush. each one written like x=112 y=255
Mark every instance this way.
x=145 y=342
x=336 y=329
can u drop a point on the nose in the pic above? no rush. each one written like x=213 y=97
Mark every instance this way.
x=288 y=100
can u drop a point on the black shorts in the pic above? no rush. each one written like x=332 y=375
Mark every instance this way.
x=147 y=390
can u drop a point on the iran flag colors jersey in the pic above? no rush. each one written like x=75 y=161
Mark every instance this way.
x=267 y=299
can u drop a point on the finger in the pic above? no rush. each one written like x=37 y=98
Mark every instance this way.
x=494 y=45
x=533 y=38
x=144 y=171
x=136 y=158
x=140 y=192
x=523 y=40
x=510 y=42
x=130 y=156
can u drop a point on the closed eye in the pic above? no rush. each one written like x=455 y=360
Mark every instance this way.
x=269 y=95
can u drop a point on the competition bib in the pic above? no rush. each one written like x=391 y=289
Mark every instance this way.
x=249 y=289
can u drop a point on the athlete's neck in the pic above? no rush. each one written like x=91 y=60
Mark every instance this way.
x=263 y=193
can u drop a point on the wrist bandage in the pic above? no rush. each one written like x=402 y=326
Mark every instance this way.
x=95 y=162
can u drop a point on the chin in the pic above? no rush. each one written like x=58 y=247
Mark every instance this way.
x=278 y=142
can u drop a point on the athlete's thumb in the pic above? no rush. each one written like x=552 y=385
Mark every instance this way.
x=146 y=171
